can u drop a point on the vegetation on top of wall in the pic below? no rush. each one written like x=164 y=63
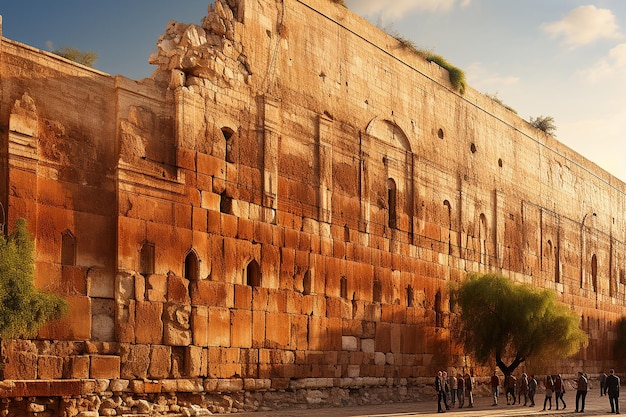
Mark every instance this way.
x=545 y=123
x=340 y=2
x=495 y=98
x=457 y=76
x=87 y=58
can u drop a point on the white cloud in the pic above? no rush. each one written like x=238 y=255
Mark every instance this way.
x=584 y=25
x=609 y=66
x=483 y=80
x=395 y=9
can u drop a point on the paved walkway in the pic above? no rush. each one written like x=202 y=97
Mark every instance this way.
x=595 y=406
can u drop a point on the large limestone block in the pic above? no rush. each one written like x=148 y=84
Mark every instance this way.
x=212 y=293
x=135 y=360
x=160 y=362
x=178 y=289
x=176 y=324
x=241 y=328
x=75 y=326
x=278 y=330
x=21 y=359
x=149 y=322
x=219 y=326
x=104 y=367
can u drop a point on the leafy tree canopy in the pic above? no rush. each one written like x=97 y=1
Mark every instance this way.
x=23 y=308
x=514 y=322
x=87 y=58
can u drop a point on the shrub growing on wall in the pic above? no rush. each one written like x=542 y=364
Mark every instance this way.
x=23 y=308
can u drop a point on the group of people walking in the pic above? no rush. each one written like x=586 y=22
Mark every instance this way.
x=451 y=389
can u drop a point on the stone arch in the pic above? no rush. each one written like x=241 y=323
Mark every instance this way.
x=387 y=159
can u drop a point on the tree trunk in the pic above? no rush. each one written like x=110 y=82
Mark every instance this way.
x=508 y=369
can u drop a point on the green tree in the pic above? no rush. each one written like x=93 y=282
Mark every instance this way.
x=513 y=322
x=87 y=58
x=545 y=123
x=23 y=308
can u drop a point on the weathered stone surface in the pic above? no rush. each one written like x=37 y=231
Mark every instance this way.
x=261 y=216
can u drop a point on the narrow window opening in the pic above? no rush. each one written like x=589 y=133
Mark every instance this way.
x=146 y=259
x=192 y=266
x=377 y=292
x=68 y=249
x=253 y=274
x=440 y=133
x=343 y=288
x=391 y=203
x=226 y=203
x=410 y=297
x=473 y=148
x=438 y=310
x=594 y=272
x=307 y=283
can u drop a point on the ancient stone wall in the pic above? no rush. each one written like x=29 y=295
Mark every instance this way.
x=275 y=217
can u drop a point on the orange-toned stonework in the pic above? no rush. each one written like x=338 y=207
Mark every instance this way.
x=276 y=215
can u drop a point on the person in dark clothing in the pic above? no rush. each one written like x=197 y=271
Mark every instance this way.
x=440 y=387
x=581 y=391
x=612 y=388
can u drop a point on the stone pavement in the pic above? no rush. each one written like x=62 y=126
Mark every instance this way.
x=595 y=406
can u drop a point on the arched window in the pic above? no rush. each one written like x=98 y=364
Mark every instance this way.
x=594 y=272
x=391 y=203
x=192 y=266
x=68 y=249
x=228 y=134
x=146 y=259
x=253 y=274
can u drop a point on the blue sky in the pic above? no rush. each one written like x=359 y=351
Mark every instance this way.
x=559 y=58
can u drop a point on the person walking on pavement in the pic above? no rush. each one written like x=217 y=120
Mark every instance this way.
x=602 y=383
x=582 y=385
x=549 y=392
x=523 y=390
x=532 y=390
x=469 y=385
x=460 y=390
x=612 y=388
x=509 y=385
x=441 y=392
x=453 y=387
x=495 y=387
x=559 y=391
